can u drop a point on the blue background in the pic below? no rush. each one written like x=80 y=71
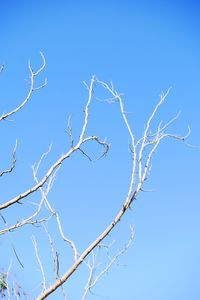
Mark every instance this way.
x=144 y=47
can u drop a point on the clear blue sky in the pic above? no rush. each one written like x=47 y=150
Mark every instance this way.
x=144 y=47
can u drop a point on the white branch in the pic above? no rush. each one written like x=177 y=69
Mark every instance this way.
x=51 y=209
x=92 y=266
x=31 y=89
x=136 y=183
x=58 y=163
x=39 y=262
x=142 y=152
x=145 y=135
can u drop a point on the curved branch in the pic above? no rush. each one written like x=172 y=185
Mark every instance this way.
x=13 y=162
x=31 y=89
x=81 y=141
x=132 y=192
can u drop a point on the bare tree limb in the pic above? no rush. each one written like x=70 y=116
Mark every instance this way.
x=39 y=262
x=50 y=208
x=140 y=168
x=59 y=162
x=13 y=162
x=141 y=150
x=92 y=266
x=31 y=89
x=55 y=256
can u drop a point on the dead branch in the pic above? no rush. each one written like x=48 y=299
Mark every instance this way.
x=53 y=212
x=63 y=157
x=92 y=265
x=32 y=88
x=55 y=256
x=39 y=262
x=142 y=151
x=140 y=168
x=13 y=162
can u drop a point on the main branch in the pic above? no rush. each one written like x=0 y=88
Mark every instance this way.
x=140 y=169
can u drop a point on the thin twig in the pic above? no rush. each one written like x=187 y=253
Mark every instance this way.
x=39 y=262
x=13 y=162
x=136 y=183
x=31 y=89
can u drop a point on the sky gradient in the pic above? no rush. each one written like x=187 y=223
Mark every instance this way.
x=144 y=47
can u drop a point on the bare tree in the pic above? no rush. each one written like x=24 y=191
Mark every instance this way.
x=141 y=152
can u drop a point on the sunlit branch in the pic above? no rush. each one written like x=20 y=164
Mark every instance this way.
x=39 y=262
x=141 y=167
x=92 y=266
x=63 y=157
x=145 y=135
x=142 y=152
x=55 y=259
x=32 y=88
x=48 y=205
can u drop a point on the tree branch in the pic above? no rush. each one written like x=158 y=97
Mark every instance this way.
x=13 y=162
x=138 y=177
x=31 y=89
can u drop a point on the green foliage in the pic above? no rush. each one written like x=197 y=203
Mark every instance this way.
x=11 y=290
x=3 y=284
